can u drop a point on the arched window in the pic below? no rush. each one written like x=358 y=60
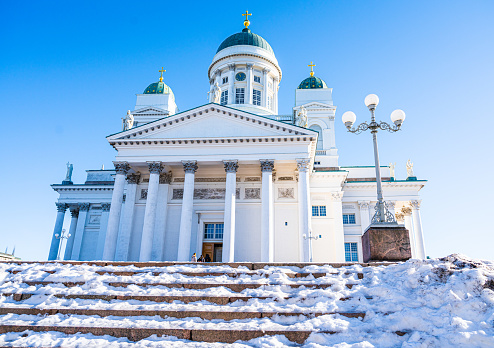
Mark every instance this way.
x=318 y=129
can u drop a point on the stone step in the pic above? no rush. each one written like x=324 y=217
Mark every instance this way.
x=137 y=334
x=234 y=287
x=221 y=300
x=249 y=265
x=206 y=315
x=205 y=274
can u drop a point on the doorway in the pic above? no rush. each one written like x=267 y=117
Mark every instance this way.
x=214 y=250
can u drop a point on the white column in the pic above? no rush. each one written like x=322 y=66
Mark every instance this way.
x=161 y=215
x=248 y=91
x=74 y=211
x=231 y=84
x=185 y=235
x=79 y=232
x=229 y=216
x=55 y=242
x=417 y=230
x=304 y=210
x=275 y=96
x=267 y=223
x=103 y=225
x=121 y=169
x=364 y=215
x=339 y=232
x=407 y=217
x=150 y=213
x=123 y=240
x=264 y=99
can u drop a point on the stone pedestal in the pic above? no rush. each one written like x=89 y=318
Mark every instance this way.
x=386 y=243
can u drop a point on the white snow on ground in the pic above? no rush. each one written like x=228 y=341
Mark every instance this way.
x=437 y=303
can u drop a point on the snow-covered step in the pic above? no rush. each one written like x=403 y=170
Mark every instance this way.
x=203 y=314
x=238 y=287
x=139 y=334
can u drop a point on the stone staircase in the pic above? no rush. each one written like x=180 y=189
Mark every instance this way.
x=198 y=302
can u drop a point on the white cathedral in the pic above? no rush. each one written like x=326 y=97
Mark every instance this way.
x=232 y=179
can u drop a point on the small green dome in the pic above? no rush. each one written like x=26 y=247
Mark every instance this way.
x=158 y=88
x=245 y=37
x=312 y=82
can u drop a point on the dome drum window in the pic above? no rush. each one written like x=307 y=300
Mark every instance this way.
x=257 y=79
x=239 y=95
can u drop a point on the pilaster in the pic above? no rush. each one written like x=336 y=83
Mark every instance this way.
x=79 y=233
x=304 y=210
x=74 y=212
x=103 y=225
x=161 y=217
x=190 y=167
x=267 y=210
x=248 y=91
x=123 y=240
x=231 y=167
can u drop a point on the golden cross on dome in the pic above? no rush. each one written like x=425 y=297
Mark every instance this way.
x=161 y=71
x=246 y=22
x=311 y=66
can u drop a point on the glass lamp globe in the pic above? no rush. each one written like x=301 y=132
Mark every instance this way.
x=371 y=99
x=348 y=118
x=398 y=116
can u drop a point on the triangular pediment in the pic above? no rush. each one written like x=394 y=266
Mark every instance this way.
x=150 y=111
x=316 y=106
x=212 y=121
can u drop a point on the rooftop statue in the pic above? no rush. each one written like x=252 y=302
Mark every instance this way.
x=410 y=169
x=216 y=93
x=128 y=121
x=70 y=168
x=301 y=119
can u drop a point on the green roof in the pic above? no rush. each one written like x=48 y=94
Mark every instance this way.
x=245 y=37
x=312 y=82
x=157 y=88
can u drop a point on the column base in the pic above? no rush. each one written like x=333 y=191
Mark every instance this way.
x=386 y=242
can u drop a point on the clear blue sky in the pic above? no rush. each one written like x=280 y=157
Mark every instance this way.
x=70 y=70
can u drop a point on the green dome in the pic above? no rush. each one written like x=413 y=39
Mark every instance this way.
x=157 y=88
x=246 y=37
x=312 y=82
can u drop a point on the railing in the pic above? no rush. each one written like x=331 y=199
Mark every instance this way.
x=320 y=152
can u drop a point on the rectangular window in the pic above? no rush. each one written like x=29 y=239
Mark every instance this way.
x=257 y=79
x=351 y=253
x=349 y=219
x=256 y=97
x=213 y=231
x=318 y=210
x=224 y=97
x=239 y=95
x=225 y=80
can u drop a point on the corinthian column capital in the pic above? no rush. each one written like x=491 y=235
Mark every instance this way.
x=166 y=178
x=155 y=167
x=415 y=204
x=303 y=164
x=231 y=166
x=190 y=166
x=133 y=178
x=105 y=206
x=61 y=207
x=121 y=167
x=83 y=206
x=267 y=165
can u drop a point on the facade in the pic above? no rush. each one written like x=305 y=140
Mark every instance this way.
x=232 y=179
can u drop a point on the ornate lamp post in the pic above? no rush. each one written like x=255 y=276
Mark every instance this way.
x=382 y=214
x=62 y=237
x=310 y=237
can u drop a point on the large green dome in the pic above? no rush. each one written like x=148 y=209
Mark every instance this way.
x=157 y=88
x=312 y=82
x=245 y=37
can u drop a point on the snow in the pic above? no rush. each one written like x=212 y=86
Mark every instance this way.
x=445 y=302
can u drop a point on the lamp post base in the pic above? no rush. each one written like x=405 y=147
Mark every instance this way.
x=386 y=242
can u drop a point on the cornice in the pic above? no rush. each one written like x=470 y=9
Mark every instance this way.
x=244 y=55
x=389 y=184
x=80 y=188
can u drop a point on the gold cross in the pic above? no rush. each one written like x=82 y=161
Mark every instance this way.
x=246 y=22
x=311 y=71
x=161 y=71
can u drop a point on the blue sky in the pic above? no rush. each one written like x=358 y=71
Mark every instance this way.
x=70 y=70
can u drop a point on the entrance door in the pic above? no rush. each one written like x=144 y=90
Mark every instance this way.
x=208 y=250
x=218 y=252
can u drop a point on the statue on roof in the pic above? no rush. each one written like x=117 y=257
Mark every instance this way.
x=128 y=121
x=410 y=169
x=301 y=118
x=392 y=169
x=70 y=169
x=216 y=93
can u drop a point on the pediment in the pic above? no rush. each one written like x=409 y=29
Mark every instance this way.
x=316 y=106
x=150 y=111
x=212 y=121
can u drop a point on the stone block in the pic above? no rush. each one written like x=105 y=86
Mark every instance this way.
x=386 y=243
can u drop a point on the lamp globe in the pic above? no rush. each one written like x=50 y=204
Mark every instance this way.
x=371 y=99
x=398 y=116
x=348 y=118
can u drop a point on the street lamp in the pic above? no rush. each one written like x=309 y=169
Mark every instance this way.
x=310 y=238
x=382 y=214
x=61 y=237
